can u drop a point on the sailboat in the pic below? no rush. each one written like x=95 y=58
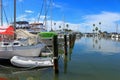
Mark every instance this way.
x=116 y=35
x=18 y=42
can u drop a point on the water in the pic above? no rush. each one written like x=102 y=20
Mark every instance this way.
x=90 y=59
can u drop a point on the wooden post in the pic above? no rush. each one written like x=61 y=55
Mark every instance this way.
x=70 y=40
x=65 y=44
x=55 y=52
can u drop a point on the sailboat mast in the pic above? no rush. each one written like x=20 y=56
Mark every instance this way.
x=63 y=22
x=45 y=2
x=14 y=14
x=51 y=13
x=117 y=28
x=1 y=13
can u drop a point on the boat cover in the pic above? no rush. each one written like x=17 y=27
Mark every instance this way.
x=7 y=30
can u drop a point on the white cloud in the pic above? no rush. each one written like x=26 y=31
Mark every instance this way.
x=22 y=17
x=29 y=11
x=108 y=20
x=74 y=27
x=43 y=17
x=56 y=5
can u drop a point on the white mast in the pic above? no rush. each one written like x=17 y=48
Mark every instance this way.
x=63 y=22
x=1 y=13
x=14 y=18
x=45 y=5
x=117 y=28
x=51 y=14
x=14 y=14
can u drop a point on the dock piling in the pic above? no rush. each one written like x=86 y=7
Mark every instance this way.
x=70 y=41
x=65 y=44
x=55 y=53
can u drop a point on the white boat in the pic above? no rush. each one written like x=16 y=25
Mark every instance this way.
x=8 y=50
x=15 y=42
x=20 y=61
x=37 y=28
x=23 y=46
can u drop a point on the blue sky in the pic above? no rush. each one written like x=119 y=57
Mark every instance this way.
x=79 y=14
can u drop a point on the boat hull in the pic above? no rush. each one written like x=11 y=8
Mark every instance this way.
x=32 y=50
x=31 y=62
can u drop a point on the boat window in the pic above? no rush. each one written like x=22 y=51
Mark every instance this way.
x=6 y=44
x=15 y=43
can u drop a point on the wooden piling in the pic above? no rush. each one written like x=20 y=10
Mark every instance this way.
x=55 y=53
x=65 y=44
x=70 y=40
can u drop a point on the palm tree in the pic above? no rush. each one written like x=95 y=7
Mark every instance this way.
x=55 y=26
x=100 y=31
x=99 y=23
x=67 y=25
x=93 y=24
x=59 y=27
x=100 y=26
x=93 y=30
x=96 y=29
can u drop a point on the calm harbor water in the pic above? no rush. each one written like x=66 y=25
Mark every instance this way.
x=90 y=59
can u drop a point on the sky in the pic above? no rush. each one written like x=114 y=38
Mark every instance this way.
x=80 y=15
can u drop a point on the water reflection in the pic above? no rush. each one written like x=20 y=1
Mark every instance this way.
x=56 y=76
x=85 y=61
x=96 y=42
x=65 y=64
x=12 y=73
x=101 y=45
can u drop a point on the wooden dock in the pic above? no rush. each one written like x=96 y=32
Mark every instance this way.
x=58 y=45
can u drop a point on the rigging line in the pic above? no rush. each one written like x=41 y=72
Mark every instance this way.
x=5 y=15
x=10 y=12
x=41 y=11
x=46 y=11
